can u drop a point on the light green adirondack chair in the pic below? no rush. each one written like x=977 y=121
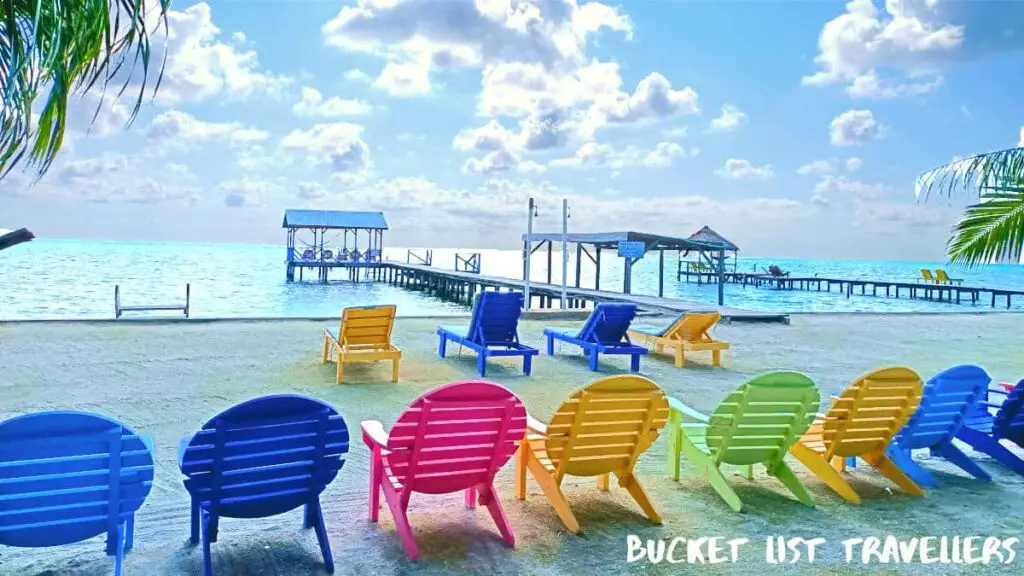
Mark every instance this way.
x=755 y=424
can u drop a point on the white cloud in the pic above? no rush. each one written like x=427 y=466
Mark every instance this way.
x=531 y=167
x=817 y=167
x=410 y=137
x=179 y=128
x=404 y=79
x=102 y=166
x=357 y=75
x=247 y=193
x=855 y=127
x=598 y=155
x=314 y=104
x=338 y=145
x=116 y=178
x=490 y=136
x=653 y=98
x=500 y=160
x=908 y=39
x=853 y=164
x=731 y=119
x=310 y=191
x=830 y=187
x=738 y=169
x=675 y=133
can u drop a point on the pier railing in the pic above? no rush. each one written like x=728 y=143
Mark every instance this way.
x=425 y=258
x=467 y=262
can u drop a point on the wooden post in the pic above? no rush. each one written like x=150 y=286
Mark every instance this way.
x=597 y=268
x=721 y=277
x=661 y=273
x=549 y=263
x=579 y=263
x=628 y=276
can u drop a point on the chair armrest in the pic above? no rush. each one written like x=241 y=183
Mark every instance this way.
x=373 y=434
x=534 y=425
x=685 y=410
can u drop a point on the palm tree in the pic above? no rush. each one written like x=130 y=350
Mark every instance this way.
x=991 y=229
x=51 y=49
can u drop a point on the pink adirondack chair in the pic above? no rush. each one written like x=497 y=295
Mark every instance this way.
x=452 y=438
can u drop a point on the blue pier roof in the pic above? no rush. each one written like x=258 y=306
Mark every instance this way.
x=334 y=219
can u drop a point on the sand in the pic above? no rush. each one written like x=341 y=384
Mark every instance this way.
x=165 y=380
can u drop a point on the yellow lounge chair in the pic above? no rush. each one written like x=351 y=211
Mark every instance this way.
x=364 y=336
x=942 y=278
x=688 y=332
x=860 y=424
x=926 y=275
x=601 y=429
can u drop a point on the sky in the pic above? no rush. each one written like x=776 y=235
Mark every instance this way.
x=795 y=129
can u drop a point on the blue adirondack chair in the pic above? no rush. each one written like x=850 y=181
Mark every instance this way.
x=263 y=457
x=69 y=476
x=492 y=331
x=984 y=432
x=949 y=399
x=603 y=333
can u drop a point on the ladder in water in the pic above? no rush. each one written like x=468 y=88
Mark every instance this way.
x=119 y=309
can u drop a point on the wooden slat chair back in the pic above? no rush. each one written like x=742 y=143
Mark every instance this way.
x=694 y=327
x=608 y=323
x=68 y=476
x=601 y=429
x=260 y=458
x=495 y=319
x=367 y=327
x=762 y=418
x=1009 y=420
x=984 y=431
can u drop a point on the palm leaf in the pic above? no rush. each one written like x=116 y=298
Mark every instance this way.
x=991 y=230
x=61 y=48
x=973 y=174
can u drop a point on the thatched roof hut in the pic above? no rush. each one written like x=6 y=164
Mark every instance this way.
x=706 y=234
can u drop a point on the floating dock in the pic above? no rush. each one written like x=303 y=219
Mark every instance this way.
x=950 y=293
x=460 y=286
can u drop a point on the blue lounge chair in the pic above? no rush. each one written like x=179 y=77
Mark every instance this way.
x=69 y=476
x=603 y=333
x=949 y=399
x=984 y=432
x=261 y=458
x=492 y=330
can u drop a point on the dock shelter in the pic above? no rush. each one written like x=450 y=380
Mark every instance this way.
x=632 y=246
x=326 y=239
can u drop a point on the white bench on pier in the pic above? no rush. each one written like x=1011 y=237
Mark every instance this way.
x=119 y=309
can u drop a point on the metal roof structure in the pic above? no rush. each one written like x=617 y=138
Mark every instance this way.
x=611 y=240
x=706 y=234
x=334 y=219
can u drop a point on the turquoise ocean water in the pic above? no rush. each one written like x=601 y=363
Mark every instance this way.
x=75 y=279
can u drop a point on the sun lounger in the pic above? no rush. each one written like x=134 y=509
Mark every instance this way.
x=451 y=439
x=492 y=330
x=582 y=440
x=603 y=333
x=261 y=458
x=926 y=276
x=755 y=424
x=363 y=336
x=688 y=332
x=860 y=424
x=985 y=432
x=66 y=477
x=942 y=278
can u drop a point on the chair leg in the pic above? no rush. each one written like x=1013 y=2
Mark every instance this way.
x=401 y=517
x=554 y=494
x=675 y=444
x=489 y=498
x=308 y=517
x=327 y=349
x=207 y=561
x=119 y=551
x=551 y=346
x=890 y=470
x=196 y=520
x=790 y=480
x=394 y=369
x=823 y=470
x=961 y=460
x=634 y=363
x=680 y=359
x=129 y=536
x=602 y=482
x=314 y=510
x=527 y=364
x=481 y=363
x=442 y=344
x=376 y=475
x=715 y=478
x=716 y=357
x=593 y=360
x=912 y=469
x=471 y=496
x=340 y=370
x=632 y=485
x=989 y=445
x=520 y=469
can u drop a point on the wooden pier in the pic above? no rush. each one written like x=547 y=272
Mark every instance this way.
x=461 y=286
x=950 y=293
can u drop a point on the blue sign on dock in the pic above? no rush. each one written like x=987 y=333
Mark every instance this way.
x=633 y=250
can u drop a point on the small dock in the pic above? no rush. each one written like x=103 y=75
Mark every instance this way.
x=462 y=286
x=950 y=293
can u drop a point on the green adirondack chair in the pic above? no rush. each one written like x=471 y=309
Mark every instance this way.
x=755 y=424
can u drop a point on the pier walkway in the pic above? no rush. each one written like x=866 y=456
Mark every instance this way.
x=460 y=286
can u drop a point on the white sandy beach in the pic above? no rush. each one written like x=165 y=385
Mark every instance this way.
x=165 y=380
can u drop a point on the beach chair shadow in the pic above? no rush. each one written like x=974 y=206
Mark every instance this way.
x=452 y=439
x=263 y=457
x=560 y=448
x=689 y=332
x=604 y=332
x=492 y=330
x=69 y=476
x=756 y=424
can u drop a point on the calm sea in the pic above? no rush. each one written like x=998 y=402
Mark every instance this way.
x=71 y=278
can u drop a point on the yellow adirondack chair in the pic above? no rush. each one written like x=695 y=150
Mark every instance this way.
x=942 y=278
x=601 y=429
x=688 y=332
x=926 y=275
x=364 y=336
x=860 y=424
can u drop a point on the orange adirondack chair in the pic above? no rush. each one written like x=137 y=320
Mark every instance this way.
x=861 y=423
x=601 y=429
x=452 y=438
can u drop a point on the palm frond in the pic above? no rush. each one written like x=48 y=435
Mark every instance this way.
x=60 y=48
x=973 y=175
x=991 y=230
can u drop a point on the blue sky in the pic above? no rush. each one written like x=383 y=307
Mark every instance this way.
x=793 y=128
